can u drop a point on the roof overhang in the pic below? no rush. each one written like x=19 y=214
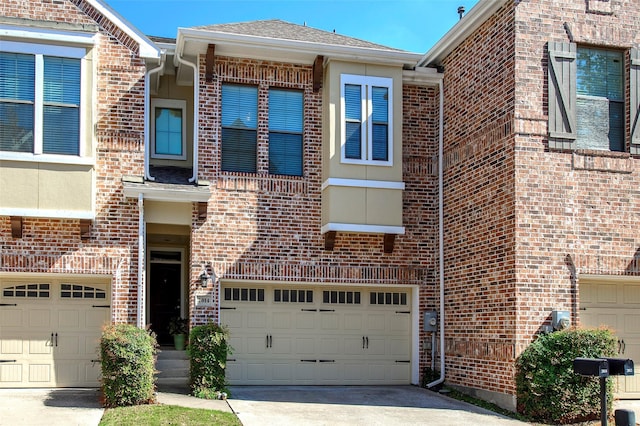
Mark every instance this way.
x=460 y=31
x=147 y=49
x=192 y=42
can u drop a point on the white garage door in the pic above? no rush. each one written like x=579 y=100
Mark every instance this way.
x=318 y=335
x=615 y=303
x=49 y=332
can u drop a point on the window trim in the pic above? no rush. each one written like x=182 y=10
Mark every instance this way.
x=39 y=51
x=173 y=104
x=366 y=142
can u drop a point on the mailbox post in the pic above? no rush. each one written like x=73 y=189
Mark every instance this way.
x=603 y=368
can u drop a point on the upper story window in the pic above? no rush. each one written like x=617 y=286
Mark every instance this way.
x=239 y=128
x=600 y=99
x=40 y=98
x=588 y=99
x=367 y=117
x=285 y=132
x=168 y=129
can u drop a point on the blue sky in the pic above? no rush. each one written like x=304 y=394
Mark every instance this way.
x=412 y=25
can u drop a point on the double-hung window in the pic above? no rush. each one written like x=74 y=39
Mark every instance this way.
x=40 y=99
x=587 y=97
x=239 y=128
x=367 y=120
x=285 y=132
x=168 y=129
x=600 y=99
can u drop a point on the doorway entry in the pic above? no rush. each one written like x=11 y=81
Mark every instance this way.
x=165 y=292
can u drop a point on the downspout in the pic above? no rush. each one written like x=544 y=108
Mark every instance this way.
x=196 y=112
x=441 y=232
x=147 y=116
x=141 y=263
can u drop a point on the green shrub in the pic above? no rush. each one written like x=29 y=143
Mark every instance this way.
x=547 y=388
x=127 y=356
x=208 y=350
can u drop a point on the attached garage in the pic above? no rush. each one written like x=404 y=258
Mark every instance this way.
x=49 y=331
x=614 y=302
x=320 y=335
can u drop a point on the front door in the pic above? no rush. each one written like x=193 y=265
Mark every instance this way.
x=165 y=295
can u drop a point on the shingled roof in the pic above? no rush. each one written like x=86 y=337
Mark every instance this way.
x=282 y=30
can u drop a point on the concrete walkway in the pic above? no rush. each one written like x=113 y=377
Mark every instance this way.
x=355 y=405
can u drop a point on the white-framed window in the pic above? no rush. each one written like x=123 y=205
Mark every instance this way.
x=168 y=129
x=366 y=120
x=41 y=100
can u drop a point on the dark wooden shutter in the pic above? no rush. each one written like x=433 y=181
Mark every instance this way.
x=634 y=100
x=562 y=95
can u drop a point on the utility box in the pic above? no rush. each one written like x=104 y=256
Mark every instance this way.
x=430 y=321
x=620 y=367
x=594 y=367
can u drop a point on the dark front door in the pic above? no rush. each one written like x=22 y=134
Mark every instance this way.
x=164 y=298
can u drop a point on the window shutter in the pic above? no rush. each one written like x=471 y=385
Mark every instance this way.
x=635 y=100
x=562 y=94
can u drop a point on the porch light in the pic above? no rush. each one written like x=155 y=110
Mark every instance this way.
x=205 y=276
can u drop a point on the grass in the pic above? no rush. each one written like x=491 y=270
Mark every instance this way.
x=159 y=415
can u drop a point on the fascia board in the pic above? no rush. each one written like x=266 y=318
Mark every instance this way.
x=357 y=54
x=460 y=31
x=148 y=49
x=422 y=77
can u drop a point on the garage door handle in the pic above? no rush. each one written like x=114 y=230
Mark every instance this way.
x=227 y=307
x=8 y=360
x=327 y=310
x=8 y=304
x=402 y=361
x=308 y=360
x=56 y=340
x=403 y=312
x=309 y=310
x=327 y=360
x=52 y=339
x=100 y=306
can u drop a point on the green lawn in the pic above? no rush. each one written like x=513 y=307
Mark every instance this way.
x=166 y=415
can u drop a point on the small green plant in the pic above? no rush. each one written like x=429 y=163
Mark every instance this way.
x=178 y=325
x=127 y=356
x=547 y=388
x=208 y=351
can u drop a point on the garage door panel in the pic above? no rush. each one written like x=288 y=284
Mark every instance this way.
x=329 y=346
x=281 y=320
x=399 y=347
x=305 y=321
x=281 y=372
x=353 y=322
x=305 y=345
x=40 y=373
x=354 y=345
x=400 y=323
x=256 y=372
x=11 y=317
x=376 y=322
x=39 y=346
x=256 y=345
x=69 y=345
x=632 y=324
x=376 y=346
x=11 y=373
x=39 y=318
x=329 y=321
x=234 y=319
x=69 y=319
x=256 y=320
x=631 y=294
x=280 y=345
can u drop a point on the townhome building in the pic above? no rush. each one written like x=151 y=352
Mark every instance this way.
x=353 y=213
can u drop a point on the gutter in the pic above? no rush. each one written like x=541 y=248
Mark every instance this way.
x=441 y=233
x=196 y=106
x=140 y=322
x=477 y=16
x=147 y=114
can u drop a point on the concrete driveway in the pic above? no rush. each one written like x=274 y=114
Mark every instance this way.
x=355 y=405
x=50 y=407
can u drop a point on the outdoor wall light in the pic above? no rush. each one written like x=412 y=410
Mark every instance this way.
x=560 y=320
x=205 y=276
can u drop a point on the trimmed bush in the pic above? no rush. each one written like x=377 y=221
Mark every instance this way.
x=547 y=388
x=208 y=351
x=127 y=356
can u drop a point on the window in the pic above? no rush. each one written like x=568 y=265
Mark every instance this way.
x=285 y=132
x=587 y=97
x=244 y=294
x=600 y=99
x=168 y=129
x=239 y=128
x=367 y=120
x=40 y=98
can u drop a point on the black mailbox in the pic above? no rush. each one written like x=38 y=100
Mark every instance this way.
x=620 y=367
x=595 y=367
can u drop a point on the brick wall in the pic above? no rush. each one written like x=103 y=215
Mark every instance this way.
x=479 y=190
x=576 y=211
x=522 y=220
x=54 y=245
